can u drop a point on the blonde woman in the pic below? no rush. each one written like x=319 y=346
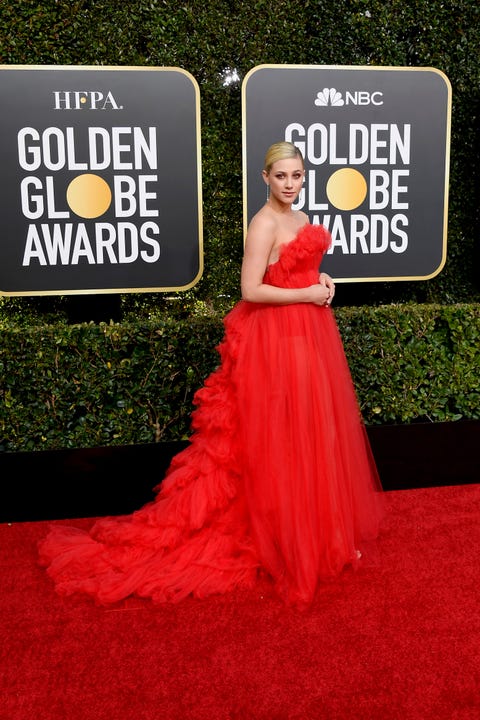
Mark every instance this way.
x=278 y=480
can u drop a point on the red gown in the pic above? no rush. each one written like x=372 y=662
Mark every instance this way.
x=278 y=477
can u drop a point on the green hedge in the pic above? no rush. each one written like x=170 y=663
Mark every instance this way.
x=87 y=385
x=414 y=362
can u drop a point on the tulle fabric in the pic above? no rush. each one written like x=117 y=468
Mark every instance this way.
x=278 y=477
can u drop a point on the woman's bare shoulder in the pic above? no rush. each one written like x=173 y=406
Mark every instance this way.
x=263 y=227
x=303 y=218
x=264 y=219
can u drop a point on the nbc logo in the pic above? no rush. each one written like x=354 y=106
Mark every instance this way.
x=331 y=97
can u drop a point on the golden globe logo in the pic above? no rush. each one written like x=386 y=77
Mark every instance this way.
x=384 y=152
x=131 y=154
x=101 y=179
x=375 y=144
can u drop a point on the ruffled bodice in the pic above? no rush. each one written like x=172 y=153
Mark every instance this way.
x=299 y=260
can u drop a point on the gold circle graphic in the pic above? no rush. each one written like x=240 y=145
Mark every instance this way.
x=346 y=189
x=89 y=196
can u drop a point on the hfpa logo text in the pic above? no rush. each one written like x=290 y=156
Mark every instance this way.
x=84 y=100
x=334 y=98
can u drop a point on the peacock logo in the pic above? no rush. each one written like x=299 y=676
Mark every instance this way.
x=329 y=96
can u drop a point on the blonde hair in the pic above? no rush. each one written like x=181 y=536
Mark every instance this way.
x=281 y=151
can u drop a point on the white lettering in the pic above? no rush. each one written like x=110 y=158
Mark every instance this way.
x=360 y=234
x=70 y=244
x=379 y=144
x=385 y=189
x=54 y=149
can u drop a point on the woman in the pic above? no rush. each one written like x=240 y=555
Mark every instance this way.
x=278 y=477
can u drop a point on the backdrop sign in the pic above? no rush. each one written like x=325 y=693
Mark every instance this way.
x=101 y=180
x=376 y=145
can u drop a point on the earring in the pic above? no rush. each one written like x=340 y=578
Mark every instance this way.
x=268 y=193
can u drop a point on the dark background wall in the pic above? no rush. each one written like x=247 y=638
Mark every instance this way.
x=92 y=482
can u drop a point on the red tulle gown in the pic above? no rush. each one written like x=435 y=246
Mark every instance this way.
x=278 y=477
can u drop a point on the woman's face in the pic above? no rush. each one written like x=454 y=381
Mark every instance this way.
x=285 y=179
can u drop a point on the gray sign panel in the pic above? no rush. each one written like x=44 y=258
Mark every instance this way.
x=376 y=144
x=101 y=180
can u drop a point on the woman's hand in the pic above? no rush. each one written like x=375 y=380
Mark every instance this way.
x=319 y=294
x=325 y=280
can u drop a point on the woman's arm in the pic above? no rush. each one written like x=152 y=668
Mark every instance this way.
x=258 y=246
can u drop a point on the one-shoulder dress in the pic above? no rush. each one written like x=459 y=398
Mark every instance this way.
x=278 y=479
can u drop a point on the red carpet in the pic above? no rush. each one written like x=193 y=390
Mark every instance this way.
x=397 y=640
